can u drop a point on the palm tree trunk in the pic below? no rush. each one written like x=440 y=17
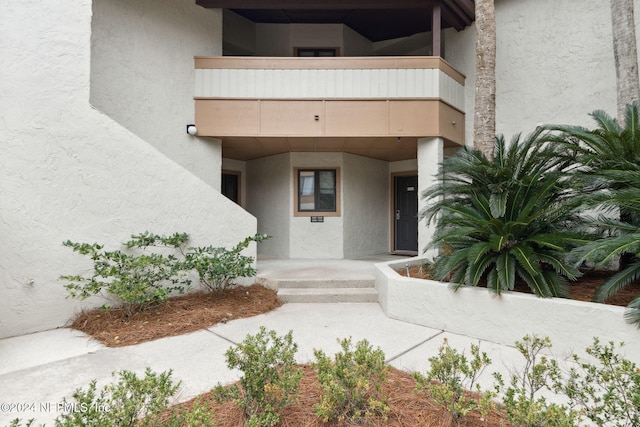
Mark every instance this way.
x=484 y=126
x=626 y=55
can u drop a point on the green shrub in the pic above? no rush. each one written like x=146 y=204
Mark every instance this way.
x=219 y=267
x=133 y=280
x=511 y=217
x=147 y=275
x=523 y=404
x=270 y=376
x=129 y=402
x=352 y=383
x=199 y=415
x=609 y=390
x=451 y=376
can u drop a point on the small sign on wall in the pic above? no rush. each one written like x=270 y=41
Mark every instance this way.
x=317 y=219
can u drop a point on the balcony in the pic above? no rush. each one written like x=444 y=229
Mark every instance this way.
x=261 y=106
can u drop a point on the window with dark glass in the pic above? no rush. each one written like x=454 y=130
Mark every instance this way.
x=316 y=52
x=316 y=190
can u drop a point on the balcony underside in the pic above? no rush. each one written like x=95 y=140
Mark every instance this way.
x=381 y=129
x=372 y=106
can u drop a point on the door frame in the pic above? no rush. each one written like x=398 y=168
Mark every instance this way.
x=392 y=206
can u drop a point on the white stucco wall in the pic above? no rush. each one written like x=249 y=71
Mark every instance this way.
x=269 y=193
x=71 y=172
x=475 y=312
x=430 y=153
x=281 y=39
x=554 y=63
x=323 y=239
x=239 y=34
x=365 y=206
x=354 y=44
x=142 y=73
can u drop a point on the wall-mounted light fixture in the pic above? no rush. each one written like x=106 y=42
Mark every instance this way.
x=192 y=129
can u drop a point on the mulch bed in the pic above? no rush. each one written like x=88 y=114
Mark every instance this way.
x=407 y=408
x=582 y=289
x=179 y=315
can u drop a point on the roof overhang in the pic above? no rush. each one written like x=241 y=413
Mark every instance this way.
x=374 y=19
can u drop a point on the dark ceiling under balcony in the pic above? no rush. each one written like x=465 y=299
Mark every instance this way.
x=374 y=19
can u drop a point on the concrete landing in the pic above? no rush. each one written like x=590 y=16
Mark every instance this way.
x=322 y=281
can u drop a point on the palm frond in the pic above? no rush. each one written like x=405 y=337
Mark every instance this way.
x=632 y=314
x=617 y=282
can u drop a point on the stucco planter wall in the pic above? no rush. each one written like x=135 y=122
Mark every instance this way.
x=477 y=313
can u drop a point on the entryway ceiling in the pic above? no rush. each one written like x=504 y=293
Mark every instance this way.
x=374 y=19
x=388 y=149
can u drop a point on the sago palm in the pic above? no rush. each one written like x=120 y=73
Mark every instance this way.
x=621 y=237
x=506 y=218
x=608 y=173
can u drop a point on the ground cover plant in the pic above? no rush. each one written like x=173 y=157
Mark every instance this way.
x=602 y=389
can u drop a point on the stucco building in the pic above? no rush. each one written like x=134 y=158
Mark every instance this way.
x=318 y=122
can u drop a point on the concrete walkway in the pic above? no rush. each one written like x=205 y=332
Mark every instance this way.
x=43 y=368
x=37 y=371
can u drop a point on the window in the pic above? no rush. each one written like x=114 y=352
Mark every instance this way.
x=317 y=191
x=314 y=51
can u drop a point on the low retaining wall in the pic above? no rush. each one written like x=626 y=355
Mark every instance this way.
x=475 y=312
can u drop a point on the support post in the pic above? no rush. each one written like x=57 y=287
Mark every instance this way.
x=436 y=30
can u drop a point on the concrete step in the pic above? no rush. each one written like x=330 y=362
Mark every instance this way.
x=328 y=295
x=323 y=284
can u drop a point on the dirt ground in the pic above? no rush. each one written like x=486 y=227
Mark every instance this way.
x=407 y=408
x=179 y=315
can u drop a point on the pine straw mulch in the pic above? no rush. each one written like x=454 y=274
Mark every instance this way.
x=407 y=408
x=179 y=315
x=582 y=289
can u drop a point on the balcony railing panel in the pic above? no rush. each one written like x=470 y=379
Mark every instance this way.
x=329 y=78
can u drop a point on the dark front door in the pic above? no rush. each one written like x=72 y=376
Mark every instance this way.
x=406 y=213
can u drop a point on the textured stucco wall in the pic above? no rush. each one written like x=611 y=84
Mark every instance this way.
x=430 y=154
x=554 y=63
x=269 y=193
x=281 y=39
x=71 y=172
x=365 y=206
x=142 y=73
x=475 y=312
x=316 y=240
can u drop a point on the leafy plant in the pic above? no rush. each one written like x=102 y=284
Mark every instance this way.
x=609 y=176
x=219 y=267
x=352 y=383
x=513 y=216
x=133 y=280
x=131 y=401
x=609 y=391
x=270 y=377
x=451 y=376
x=156 y=266
x=198 y=415
x=523 y=404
